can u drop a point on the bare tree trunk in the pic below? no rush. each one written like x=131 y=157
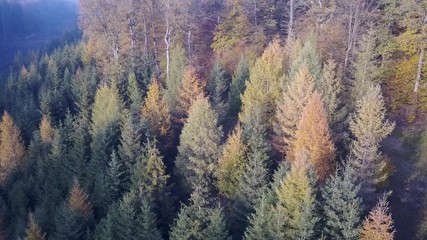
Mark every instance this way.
x=168 y=44
x=145 y=34
x=132 y=35
x=189 y=42
x=255 y=13
x=349 y=41
x=421 y=56
x=291 y=20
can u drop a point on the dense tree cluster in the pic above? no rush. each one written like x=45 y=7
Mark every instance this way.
x=222 y=119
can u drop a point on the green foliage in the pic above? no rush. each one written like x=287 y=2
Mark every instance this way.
x=173 y=84
x=341 y=205
x=218 y=87
x=199 y=146
x=237 y=86
x=307 y=57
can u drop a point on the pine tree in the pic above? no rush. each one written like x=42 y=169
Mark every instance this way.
x=216 y=228
x=191 y=88
x=379 y=224
x=296 y=201
x=237 y=87
x=199 y=146
x=46 y=130
x=217 y=88
x=123 y=218
x=341 y=205
x=231 y=163
x=290 y=108
x=264 y=86
x=369 y=128
x=33 y=231
x=12 y=149
x=313 y=137
x=260 y=222
x=154 y=112
x=115 y=175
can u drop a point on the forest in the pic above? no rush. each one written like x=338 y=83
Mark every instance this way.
x=219 y=120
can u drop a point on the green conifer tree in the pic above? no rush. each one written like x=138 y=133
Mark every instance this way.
x=238 y=86
x=218 y=87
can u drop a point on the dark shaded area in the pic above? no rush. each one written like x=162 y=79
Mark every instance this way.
x=29 y=25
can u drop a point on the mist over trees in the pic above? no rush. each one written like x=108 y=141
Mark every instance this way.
x=223 y=119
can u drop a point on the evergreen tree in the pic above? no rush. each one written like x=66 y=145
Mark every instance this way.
x=341 y=205
x=264 y=86
x=199 y=145
x=218 y=87
x=237 y=87
x=314 y=139
x=154 y=112
x=290 y=108
x=307 y=57
x=260 y=222
x=379 y=224
x=12 y=149
x=134 y=95
x=369 y=128
x=198 y=221
x=231 y=163
x=147 y=224
x=115 y=175
x=33 y=231
x=296 y=202
x=173 y=83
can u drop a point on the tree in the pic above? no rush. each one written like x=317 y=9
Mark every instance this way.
x=134 y=95
x=33 y=231
x=199 y=145
x=191 y=88
x=12 y=149
x=314 y=139
x=290 y=108
x=238 y=85
x=73 y=215
x=218 y=87
x=147 y=223
x=369 y=128
x=154 y=112
x=155 y=178
x=231 y=163
x=260 y=222
x=341 y=204
x=309 y=58
x=173 y=83
x=264 y=87
x=379 y=223
x=115 y=177
x=46 y=130
x=296 y=201
x=199 y=221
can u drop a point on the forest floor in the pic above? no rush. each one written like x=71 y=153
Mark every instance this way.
x=407 y=186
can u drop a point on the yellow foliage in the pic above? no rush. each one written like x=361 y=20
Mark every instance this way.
x=12 y=149
x=155 y=112
x=191 y=87
x=47 y=132
x=78 y=200
x=231 y=164
x=379 y=224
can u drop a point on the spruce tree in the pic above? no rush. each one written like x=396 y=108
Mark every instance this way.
x=115 y=175
x=173 y=83
x=308 y=57
x=260 y=222
x=217 y=88
x=238 y=86
x=289 y=109
x=341 y=205
x=216 y=228
x=199 y=146
x=134 y=95
x=369 y=127
x=147 y=224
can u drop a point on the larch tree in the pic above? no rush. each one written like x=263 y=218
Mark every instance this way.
x=378 y=225
x=238 y=86
x=199 y=146
x=231 y=163
x=341 y=205
x=296 y=201
x=154 y=112
x=265 y=84
x=46 y=130
x=290 y=108
x=369 y=127
x=314 y=139
x=33 y=231
x=191 y=87
x=12 y=149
